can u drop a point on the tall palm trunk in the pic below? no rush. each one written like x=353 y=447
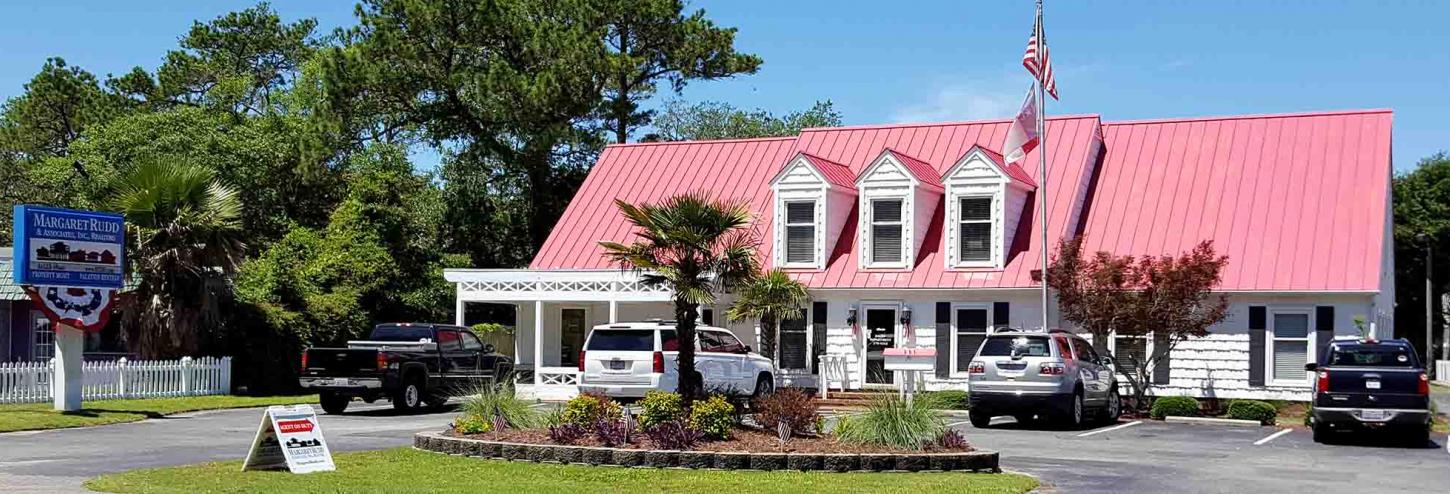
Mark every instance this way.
x=690 y=384
x=769 y=334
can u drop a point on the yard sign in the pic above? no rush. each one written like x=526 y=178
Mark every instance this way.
x=289 y=437
x=68 y=248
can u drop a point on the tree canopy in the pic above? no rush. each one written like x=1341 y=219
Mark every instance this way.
x=682 y=121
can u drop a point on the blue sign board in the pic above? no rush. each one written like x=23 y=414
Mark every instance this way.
x=65 y=247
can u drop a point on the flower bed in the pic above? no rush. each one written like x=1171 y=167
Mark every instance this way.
x=743 y=439
x=838 y=460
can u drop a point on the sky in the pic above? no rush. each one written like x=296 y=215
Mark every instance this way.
x=943 y=60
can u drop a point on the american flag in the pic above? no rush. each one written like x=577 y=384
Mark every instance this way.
x=1038 y=43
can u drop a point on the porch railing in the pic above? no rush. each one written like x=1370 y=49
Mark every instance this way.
x=31 y=382
x=1442 y=371
x=834 y=366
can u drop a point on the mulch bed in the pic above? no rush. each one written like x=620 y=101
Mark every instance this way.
x=743 y=440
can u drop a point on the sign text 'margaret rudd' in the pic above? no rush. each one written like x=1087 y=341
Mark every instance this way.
x=100 y=230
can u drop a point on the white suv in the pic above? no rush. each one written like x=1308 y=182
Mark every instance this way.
x=629 y=359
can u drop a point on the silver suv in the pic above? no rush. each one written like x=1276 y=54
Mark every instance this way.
x=1054 y=375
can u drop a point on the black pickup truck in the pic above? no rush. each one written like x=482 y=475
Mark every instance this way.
x=410 y=364
x=1366 y=384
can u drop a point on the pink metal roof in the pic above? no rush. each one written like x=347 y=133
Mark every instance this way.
x=926 y=173
x=836 y=174
x=1296 y=201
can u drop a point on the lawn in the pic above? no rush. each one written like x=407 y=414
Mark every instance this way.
x=405 y=469
x=32 y=416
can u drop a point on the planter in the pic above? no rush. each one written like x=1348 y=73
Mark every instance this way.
x=516 y=452
x=598 y=456
x=878 y=462
x=732 y=461
x=697 y=459
x=841 y=463
x=944 y=462
x=484 y=449
x=912 y=463
x=980 y=461
x=569 y=454
x=767 y=461
x=542 y=453
x=804 y=462
x=629 y=457
x=661 y=459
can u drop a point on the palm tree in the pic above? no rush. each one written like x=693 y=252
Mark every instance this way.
x=184 y=231
x=696 y=246
x=772 y=298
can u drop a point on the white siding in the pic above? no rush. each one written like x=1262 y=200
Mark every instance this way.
x=838 y=212
x=923 y=210
x=800 y=181
x=888 y=178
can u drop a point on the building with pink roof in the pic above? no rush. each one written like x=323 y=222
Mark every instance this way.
x=921 y=233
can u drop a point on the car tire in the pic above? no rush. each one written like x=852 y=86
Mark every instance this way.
x=1073 y=412
x=1418 y=437
x=333 y=403
x=764 y=386
x=1114 y=407
x=1320 y=433
x=409 y=396
x=979 y=419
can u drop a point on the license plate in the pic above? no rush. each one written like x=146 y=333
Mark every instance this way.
x=340 y=382
x=616 y=364
x=1372 y=414
x=1371 y=385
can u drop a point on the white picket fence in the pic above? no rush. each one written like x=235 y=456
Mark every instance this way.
x=30 y=382
x=1442 y=371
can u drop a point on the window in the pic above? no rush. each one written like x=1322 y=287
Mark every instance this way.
x=720 y=342
x=629 y=340
x=669 y=341
x=971 y=329
x=1083 y=351
x=1025 y=346
x=448 y=340
x=1129 y=352
x=974 y=238
x=44 y=336
x=886 y=231
x=470 y=342
x=792 y=342
x=1290 y=345
x=800 y=232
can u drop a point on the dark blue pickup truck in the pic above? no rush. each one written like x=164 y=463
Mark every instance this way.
x=1365 y=384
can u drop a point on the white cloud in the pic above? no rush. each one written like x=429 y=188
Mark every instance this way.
x=965 y=101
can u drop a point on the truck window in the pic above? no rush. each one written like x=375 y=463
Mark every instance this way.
x=470 y=342
x=1372 y=356
x=401 y=333
x=625 y=340
x=1005 y=346
x=448 y=340
x=710 y=342
x=728 y=342
x=669 y=342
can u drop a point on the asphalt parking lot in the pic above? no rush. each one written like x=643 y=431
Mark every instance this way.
x=1154 y=457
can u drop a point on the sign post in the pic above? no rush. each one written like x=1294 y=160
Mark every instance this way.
x=70 y=263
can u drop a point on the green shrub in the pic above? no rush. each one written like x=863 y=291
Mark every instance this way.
x=1177 y=406
x=714 y=417
x=791 y=406
x=659 y=407
x=1257 y=411
x=484 y=329
x=586 y=409
x=471 y=424
x=890 y=421
x=950 y=399
x=488 y=402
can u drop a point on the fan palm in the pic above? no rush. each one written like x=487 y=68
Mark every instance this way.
x=772 y=298
x=696 y=246
x=184 y=232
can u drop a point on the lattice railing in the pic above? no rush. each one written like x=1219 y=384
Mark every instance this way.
x=561 y=286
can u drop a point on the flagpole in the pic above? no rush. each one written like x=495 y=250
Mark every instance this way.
x=1042 y=157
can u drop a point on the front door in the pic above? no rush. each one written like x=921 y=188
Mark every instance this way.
x=571 y=335
x=880 y=335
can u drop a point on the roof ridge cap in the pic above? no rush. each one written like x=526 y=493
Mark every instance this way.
x=701 y=141
x=1317 y=113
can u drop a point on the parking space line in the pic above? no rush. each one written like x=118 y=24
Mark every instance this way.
x=1272 y=437
x=1110 y=429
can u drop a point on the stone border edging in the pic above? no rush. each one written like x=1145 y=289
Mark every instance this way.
x=1211 y=420
x=976 y=461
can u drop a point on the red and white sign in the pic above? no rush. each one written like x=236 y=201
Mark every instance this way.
x=290 y=437
x=86 y=309
x=909 y=359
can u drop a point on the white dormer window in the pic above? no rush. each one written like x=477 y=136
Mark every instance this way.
x=975 y=229
x=887 y=240
x=800 y=233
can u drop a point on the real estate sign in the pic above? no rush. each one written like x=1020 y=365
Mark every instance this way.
x=68 y=248
x=290 y=437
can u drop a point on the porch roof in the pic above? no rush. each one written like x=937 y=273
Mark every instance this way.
x=490 y=285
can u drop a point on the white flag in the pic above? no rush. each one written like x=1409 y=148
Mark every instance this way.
x=1022 y=137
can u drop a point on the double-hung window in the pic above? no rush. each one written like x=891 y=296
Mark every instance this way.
x=974 y=229
x=1290 y=345
x=1130 y=352
x=800 y=232
x=971 y=329
x=887 y=231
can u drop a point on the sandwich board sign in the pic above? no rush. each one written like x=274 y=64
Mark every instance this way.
x=290 y=437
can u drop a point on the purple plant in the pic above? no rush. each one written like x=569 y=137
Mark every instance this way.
x=612 y=431
x=951 y=439
x=566 y=433
x=674 y=435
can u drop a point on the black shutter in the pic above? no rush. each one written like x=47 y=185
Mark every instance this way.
x=943 y=339
x=1001 y=314
x=1323 y=329
x=1258 y=325
x=1160 y=368
x=818 y=330
x=793 y=342
x=708 y=316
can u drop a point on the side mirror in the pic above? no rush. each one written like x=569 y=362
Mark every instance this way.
x=1311 y=367
x=747 y=349
x=1106 y=361
x=488 y=348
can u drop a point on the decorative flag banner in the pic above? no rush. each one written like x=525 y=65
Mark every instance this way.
x=1040 y=67
x=86 y=309
x=1022 y=137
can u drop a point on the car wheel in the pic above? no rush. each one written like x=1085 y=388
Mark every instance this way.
x=334 y=404
x=409 y=397
x=979 y=419
x=764 y=386
x=1321 y=435
x=1074 y=411
x=1114 y=408
x=1417 y=437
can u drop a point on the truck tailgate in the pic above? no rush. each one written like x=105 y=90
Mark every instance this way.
x=1373 y=387
x=349 y=362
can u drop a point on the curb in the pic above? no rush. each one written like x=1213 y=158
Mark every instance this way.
x=1212 y=421
x=978 y=461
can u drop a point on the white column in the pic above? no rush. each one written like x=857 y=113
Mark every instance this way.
x=613 y=311
x=458 y=309
x=538 y=340
x=66 y=390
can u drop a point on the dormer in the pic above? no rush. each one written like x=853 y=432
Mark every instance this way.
x=813 y=198
x=985 y=199
x=897 y=195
